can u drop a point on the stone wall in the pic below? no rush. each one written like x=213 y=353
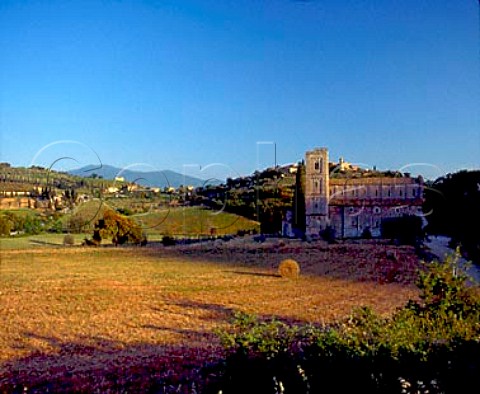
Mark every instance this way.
x=351 y=221
x=17 y=202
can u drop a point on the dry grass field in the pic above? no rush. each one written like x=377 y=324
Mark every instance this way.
x=101 y=319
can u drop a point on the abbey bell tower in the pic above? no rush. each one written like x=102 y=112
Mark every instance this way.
x=316 y=190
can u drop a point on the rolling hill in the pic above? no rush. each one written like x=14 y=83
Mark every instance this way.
x=151 y=178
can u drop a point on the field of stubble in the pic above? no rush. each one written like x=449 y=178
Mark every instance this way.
x=137 y=319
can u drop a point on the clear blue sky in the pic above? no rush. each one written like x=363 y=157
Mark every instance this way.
x=177 y=82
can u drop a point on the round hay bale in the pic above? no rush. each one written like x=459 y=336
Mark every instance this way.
x=289 y=268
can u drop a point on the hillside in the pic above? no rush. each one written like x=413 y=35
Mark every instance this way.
x=265 y=196
x=32 y=178
x=181 y=221
x=27 y=179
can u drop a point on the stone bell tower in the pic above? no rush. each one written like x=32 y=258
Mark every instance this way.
x=316 y=190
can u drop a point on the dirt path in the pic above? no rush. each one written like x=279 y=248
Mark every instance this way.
x=439 y=246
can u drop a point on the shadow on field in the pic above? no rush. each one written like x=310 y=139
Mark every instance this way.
x=99 y=364
x=220 y=311
x=181 y=331
x=40 y=242
x=93 y=364
x=254 y=273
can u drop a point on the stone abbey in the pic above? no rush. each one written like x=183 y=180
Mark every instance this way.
x=352 y=205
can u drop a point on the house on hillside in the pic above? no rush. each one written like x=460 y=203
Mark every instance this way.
x=111 y=190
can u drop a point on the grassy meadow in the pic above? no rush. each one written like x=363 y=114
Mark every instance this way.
x=159 y=220
x=155 y=223
x=38 y=241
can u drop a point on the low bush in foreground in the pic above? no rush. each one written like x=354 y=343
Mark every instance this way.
x=168 y=240
x=429 y=346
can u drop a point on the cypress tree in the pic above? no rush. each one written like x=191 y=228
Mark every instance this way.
x=299 y=222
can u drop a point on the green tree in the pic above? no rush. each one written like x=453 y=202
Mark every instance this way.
x=6 y=225
x=119 y=228
x=33 y=224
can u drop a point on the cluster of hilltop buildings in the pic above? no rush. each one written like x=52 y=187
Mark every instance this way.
x=353 y=205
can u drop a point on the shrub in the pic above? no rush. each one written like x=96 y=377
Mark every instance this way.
x=120 y=228
x=78 y=223
x=68 y=239
x=6 y=225
x=259 y=357
x=168 y=240
x=366 y=233
x=289 y=268
x=328 y=234
x=56 y=226
x=16 y=222
x=405 y=230
x=29 y=223
x=444 y=290
x=125 y=211
x=33 y=224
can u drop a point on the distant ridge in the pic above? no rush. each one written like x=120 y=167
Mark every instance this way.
x=150 y=178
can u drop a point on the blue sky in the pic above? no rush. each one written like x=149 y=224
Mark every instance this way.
x=180 y=84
